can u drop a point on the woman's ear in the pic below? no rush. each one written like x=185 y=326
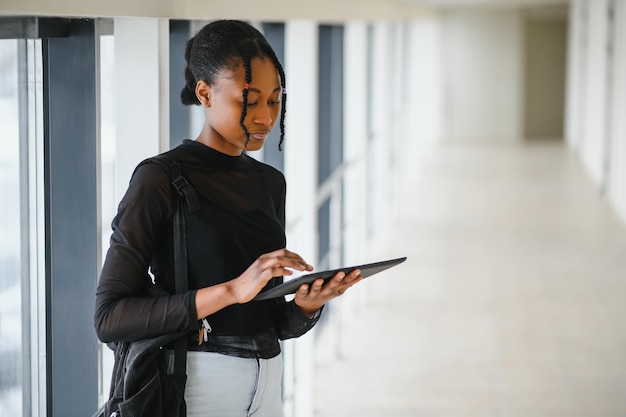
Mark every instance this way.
x=203 y=92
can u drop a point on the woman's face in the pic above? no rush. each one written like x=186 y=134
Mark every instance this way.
x=224 y=98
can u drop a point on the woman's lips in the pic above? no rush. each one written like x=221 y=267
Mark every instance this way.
x=259 y=135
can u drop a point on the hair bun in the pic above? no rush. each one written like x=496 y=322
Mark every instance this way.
x=187 y=97
x=188 y=94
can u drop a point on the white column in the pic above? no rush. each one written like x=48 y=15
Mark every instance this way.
x=355 y=142
x=142 y=93
x=593 y=146
x=575 y=72
x=617 y=174
x=378 y=152
x=301 y=71
x=423 y=82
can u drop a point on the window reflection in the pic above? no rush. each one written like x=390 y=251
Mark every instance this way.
x=10 y=264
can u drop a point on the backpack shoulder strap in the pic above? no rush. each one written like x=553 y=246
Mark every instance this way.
x=172 y=168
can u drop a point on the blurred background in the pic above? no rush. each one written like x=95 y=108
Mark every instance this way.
x=484 y=140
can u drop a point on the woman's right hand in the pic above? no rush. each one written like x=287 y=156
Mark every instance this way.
x=274 y=264
x=245 y=287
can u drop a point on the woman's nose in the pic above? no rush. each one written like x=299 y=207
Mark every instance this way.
x=263 y=115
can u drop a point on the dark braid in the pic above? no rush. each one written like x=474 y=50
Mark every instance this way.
x=226 y=44
x=244 y=107
x=283 y=100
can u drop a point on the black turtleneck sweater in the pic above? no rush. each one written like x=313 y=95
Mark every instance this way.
x=242 y=217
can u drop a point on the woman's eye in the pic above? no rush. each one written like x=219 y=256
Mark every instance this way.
x=251 y=104
x=274 y=103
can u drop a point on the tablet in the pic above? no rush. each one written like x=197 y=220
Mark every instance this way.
x=290 y=286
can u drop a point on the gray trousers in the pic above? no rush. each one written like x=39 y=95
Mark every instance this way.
x=227 y=386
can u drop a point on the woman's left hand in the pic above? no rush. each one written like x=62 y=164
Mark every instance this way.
x=311 y=298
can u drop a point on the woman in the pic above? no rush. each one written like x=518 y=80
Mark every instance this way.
x=236 y=241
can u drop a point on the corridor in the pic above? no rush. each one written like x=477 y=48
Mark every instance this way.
x=511 y=303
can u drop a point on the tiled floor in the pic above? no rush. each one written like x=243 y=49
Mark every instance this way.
x=512 y=302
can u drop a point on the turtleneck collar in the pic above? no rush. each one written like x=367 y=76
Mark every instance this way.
x=215 y=157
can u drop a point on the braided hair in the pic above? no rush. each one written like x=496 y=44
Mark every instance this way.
x=226 y=44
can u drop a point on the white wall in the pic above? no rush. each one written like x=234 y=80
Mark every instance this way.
x=483 y=74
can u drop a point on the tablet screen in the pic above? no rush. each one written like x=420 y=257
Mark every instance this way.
x=290 y=286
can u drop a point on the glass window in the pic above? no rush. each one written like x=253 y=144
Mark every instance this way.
x=11 y=357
